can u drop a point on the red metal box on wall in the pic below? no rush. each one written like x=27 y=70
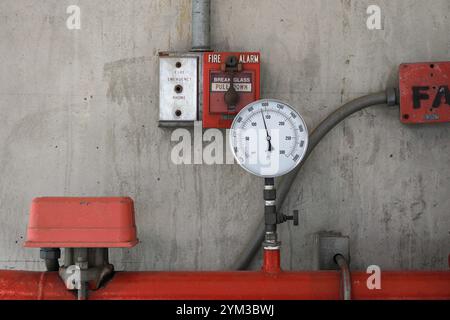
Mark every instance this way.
x=425 y=92
x=221 y=101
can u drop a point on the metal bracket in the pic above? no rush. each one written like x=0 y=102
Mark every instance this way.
x=329 y=244
x=85 y=267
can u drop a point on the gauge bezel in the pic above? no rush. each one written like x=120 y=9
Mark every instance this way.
x=259 y=102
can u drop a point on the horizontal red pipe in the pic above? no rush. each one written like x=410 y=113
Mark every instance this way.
x=231 y=285
x=27 y=285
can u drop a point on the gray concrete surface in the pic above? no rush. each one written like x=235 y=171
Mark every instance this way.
x=79 y=117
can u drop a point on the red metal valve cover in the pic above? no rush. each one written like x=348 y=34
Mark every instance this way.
x=216 y=82
x=66 y=222
x=425 y=92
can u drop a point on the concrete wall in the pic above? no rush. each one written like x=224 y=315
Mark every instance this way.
x=79 y=117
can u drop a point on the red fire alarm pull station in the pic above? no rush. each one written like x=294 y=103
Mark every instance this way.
x=230 y=82
x=425 y=92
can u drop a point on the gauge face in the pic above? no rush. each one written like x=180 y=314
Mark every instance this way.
x=268 y=138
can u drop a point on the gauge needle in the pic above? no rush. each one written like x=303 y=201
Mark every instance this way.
x=267 y=132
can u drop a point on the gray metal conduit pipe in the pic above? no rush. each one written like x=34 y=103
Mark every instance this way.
x=388 y=97
x=201 y=15
x=346 y=281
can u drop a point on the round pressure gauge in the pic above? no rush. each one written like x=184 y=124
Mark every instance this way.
x=268 y=138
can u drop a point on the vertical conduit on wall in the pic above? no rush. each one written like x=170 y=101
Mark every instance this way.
x=201 y=12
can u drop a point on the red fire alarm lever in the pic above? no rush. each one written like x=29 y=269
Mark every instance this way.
x=231 y=97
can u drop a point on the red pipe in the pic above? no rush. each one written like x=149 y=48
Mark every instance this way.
x=231 y=285
x=26 y=285
x=271 y=261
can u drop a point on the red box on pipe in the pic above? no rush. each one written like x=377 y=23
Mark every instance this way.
x=81 y=222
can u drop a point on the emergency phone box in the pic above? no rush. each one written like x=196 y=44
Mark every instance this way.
x=221 y=101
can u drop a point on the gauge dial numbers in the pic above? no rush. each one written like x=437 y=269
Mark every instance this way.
x=268 y=138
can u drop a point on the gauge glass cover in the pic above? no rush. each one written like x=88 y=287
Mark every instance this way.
x=268 y=138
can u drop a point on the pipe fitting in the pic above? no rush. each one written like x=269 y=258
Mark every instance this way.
x=50 y=257
x=50 y=253
x=392 y=97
